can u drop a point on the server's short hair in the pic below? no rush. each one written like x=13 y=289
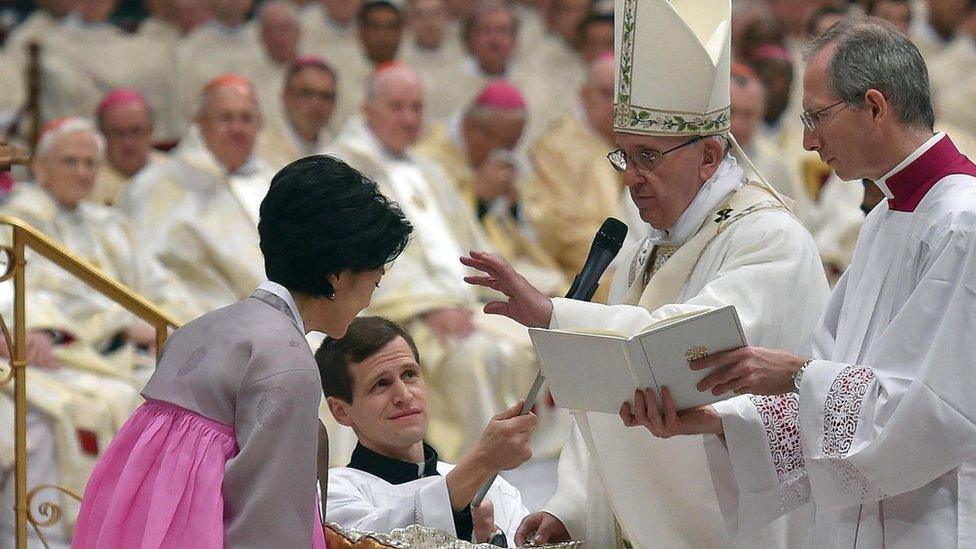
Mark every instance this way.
x=365 y=336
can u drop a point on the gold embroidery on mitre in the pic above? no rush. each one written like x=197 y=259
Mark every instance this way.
x=696 y=352
x=628 y=116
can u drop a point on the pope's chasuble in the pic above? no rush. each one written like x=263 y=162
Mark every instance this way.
x=736 y=244
x=883 y=440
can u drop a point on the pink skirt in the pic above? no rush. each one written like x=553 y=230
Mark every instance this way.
x=158 y=485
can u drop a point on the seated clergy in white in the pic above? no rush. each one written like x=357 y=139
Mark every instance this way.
x=374 y=383
x=126 y=120
x=67 y=160
x=279 y=35
x=477 y=149
x=75 y=405
x=197 y=212
x=880 y=433
x=717 y=238
x=476 y=364
x=305 y=106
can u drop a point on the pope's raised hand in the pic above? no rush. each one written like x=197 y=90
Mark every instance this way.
x=525 y=305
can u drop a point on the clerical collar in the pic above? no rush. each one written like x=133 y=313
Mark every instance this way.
x=906 y=184
x=392 y=470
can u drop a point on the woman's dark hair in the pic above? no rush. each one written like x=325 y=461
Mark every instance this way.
x=365 y=336
x=321 y=217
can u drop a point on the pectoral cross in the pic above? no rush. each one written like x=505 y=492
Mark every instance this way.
x=723 y=214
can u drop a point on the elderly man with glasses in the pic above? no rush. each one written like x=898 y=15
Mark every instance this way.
x=718 y=236
x=876 y=426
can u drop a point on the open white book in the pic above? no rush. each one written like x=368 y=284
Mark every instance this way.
x=599 y=371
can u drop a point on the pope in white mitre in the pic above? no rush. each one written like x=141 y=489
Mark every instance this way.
x=877 y=426
x=717 y=237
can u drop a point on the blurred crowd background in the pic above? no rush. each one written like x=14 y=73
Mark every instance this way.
x=155 y=129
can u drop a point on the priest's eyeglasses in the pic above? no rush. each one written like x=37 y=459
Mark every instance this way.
x=646 y=161
x=815 y=118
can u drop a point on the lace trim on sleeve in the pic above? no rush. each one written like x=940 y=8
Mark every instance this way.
x=842 y=413
x=780 y=417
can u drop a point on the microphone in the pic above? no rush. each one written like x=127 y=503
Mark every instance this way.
x=606 y=245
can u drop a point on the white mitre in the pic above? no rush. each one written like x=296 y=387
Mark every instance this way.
x=674 y=60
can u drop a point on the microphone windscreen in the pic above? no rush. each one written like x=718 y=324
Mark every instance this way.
x=611 y=235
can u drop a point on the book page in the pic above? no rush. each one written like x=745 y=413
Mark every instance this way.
x=585 y=372
x=669 y=350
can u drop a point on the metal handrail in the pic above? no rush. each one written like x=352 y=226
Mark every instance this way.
x=27 y=236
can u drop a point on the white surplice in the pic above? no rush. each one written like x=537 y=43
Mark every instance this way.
x=883 y=440
x=766 y=265
x=364 y=501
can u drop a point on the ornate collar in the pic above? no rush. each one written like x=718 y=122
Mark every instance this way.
x=907 y=186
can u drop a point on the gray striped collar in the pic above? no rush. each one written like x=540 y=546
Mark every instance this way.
x=267 y=291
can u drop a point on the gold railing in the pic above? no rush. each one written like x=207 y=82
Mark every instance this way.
x=25 y=236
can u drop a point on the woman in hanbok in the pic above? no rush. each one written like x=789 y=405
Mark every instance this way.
x=223 y=452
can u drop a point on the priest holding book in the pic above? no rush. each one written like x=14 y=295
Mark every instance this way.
x=877 y=426
x=718 y=236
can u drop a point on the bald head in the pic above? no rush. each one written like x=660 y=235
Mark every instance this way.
x=394 y=106
x=597 y=95
x=748 y=105
x=229 y=120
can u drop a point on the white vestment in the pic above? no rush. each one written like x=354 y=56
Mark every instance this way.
x=883 y=440
x=279 y=144
x=759 y=259
x=956 y=61
x=364 y=501
x=200 y=222
x=103 y=237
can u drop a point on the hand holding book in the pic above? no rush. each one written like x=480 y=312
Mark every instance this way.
x=669 y=422
x=596 y=371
